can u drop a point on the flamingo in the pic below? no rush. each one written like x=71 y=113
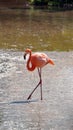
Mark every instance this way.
x=37 y=60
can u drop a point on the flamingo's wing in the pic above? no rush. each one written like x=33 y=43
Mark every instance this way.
x=39 y=59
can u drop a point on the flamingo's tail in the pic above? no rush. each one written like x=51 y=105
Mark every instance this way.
x=51 y=62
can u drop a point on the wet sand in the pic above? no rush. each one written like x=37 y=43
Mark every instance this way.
x=54 y=112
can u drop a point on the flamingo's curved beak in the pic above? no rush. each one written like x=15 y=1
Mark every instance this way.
x=24 y=56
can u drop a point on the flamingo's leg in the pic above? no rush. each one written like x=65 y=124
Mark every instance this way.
x=40 y=83
x=39 y=71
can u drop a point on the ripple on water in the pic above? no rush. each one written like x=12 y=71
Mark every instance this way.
x=7 y=66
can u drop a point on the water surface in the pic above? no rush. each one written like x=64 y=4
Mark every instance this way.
x=43 y=31
x=36 y=29
x=54 y=112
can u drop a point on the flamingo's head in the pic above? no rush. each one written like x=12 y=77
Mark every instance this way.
x=27 y=51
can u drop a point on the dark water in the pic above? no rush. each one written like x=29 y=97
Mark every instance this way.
x=36 y=29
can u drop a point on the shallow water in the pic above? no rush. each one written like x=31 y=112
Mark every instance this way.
x=54 y=112
x=36 y=29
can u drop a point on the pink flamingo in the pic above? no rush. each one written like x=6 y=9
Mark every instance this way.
x=37 y=60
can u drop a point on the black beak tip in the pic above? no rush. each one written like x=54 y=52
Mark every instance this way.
x=24 y=57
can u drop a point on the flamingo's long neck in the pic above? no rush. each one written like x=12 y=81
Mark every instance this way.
x=32 y=67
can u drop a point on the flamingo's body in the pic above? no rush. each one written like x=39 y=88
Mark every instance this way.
x=37 y=60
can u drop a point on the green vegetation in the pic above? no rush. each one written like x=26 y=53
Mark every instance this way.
x=57 y=3
x=51 y=4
